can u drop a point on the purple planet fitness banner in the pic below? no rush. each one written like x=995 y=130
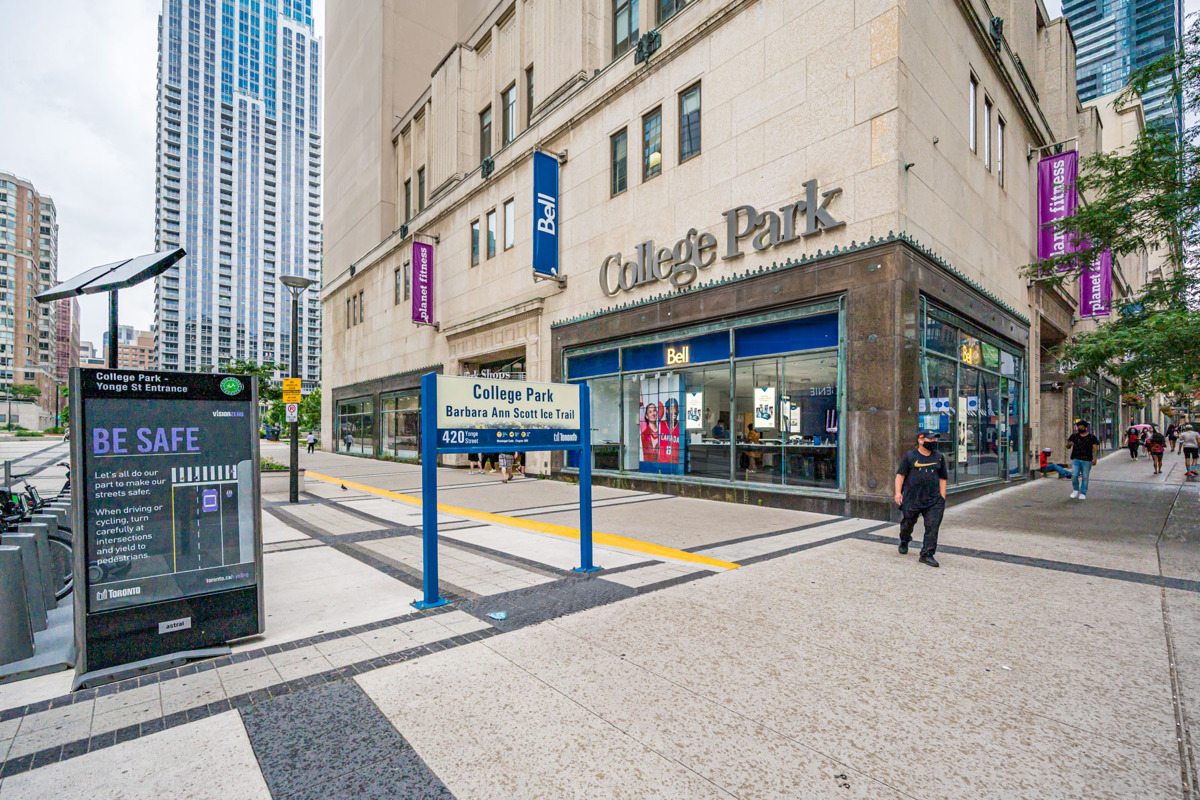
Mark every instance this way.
x=1095 y=288
x=1056 y=201
x=422 y=288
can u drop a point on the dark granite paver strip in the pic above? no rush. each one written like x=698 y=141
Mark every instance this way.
x=333 y=741
x=536 y=604
x=787 y=551
x=767 y=535
x=1161 y=581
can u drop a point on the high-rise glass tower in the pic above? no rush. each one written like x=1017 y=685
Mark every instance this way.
x=1115 y=37
x=238 y=181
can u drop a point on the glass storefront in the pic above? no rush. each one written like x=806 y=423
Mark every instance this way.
x=973 y=393
x=755 y=400
x=400 y=425
x=1098 y=401
x=354 y=426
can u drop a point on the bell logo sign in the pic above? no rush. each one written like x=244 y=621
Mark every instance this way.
x=548 y=207
x=677 y=356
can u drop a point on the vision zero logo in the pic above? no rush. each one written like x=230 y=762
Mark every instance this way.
x=231 y=386
x=113 y=594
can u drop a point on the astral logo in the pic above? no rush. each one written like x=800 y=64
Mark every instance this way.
x=231 y=386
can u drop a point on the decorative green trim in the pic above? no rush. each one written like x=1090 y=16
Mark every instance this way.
x=763 y=269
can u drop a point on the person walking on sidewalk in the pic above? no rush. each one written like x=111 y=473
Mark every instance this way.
x=1189 y=442
x=1085 y=448
x=921 y=492
x=1172 y=435
x=311 y=441
x=1156 y=445
x=1133 y=440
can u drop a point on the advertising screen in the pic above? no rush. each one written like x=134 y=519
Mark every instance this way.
x=168 y=486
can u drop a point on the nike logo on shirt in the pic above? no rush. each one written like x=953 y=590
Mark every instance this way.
x=930 y=464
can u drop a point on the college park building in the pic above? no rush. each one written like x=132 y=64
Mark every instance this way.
x=809 y=217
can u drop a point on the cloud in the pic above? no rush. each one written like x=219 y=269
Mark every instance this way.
x=79 y=110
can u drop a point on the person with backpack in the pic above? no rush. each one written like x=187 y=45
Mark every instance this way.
x=921 y=492
x=1156 y=446
x=311 y=441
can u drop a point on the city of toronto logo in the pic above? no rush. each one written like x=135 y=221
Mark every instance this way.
x=231 y=386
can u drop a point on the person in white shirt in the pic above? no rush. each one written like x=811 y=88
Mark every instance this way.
x=1189 y=440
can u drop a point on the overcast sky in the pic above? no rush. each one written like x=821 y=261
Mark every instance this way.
x=77 y=116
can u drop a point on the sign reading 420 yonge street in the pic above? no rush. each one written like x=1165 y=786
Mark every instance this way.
x=483 y=412
x=165 y=492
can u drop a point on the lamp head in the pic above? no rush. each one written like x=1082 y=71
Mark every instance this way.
x=297 y=282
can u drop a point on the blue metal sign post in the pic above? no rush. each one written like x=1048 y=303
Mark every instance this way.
x=491 y=439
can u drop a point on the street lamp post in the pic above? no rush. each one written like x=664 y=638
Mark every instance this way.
x=295 y=284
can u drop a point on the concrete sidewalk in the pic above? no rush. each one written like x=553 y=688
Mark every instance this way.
x=1055 y=654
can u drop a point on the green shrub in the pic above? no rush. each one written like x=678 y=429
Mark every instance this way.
x=267 y=464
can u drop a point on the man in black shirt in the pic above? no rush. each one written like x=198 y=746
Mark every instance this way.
x=1084 y=449
x=921 y=491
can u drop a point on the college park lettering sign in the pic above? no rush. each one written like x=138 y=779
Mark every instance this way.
x=682 y=263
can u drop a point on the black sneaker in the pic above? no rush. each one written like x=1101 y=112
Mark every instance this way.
x=904 y=548
x=929 y=561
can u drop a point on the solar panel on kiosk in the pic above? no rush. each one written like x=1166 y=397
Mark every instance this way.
x=117 y=275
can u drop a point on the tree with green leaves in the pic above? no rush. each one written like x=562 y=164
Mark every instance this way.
x=26 y=391
x=1141 y=200
x=310 y=410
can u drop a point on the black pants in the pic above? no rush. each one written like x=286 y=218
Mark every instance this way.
x=933 y=521
x=1133 y=448
x=310 y=446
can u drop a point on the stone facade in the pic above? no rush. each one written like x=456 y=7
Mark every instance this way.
x=868 y=99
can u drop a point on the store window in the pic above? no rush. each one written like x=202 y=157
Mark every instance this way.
x=972 y=393
x=355 y=426
x=400 y=424
x=665 y=406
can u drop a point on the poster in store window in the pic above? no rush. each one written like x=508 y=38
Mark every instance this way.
x=962 y=430
x=695 y=411
x=659 y=422
x=764 y=407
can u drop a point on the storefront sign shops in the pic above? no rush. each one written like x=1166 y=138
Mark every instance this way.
x=681 y=263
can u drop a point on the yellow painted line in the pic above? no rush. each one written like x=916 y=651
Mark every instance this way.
x=610 y=539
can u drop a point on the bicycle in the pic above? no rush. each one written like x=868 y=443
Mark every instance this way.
x=18 y=507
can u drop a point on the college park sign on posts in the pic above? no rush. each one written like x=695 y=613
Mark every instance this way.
x=488 y=415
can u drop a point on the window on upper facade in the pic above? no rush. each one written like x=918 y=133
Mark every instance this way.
x=510 y=223
x=625 y=26
x=1000 y=149
x=620 y=161
x=689 y=123
x=987 y=132
x=398 y=290
x=421 y=189
x=973 y=110
x=408 y=200
x=474 y=242
x=508 y=101
x=485 y=133
x=408 y=281
x=491 y=233
x=652 y=144
x=528 y=96
x=362 y=307
x=668 y=9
